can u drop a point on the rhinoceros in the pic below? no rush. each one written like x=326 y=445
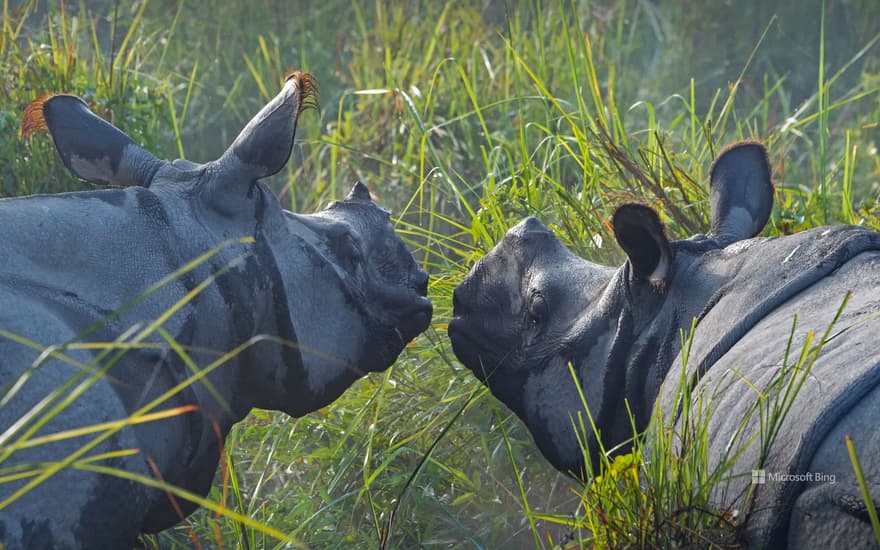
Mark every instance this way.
x=218 y=301
x=530 y=308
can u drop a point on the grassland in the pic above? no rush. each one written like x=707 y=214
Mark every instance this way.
x=462 y=118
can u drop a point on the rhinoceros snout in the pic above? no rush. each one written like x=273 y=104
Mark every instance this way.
x=417 y=319
x=420 y=281
x=461 y=299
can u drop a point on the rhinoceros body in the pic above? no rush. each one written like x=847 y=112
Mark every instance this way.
x=530 y=308
x=221 y=301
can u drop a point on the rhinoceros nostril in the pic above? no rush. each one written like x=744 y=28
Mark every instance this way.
x=421 y=282
x=415 y=320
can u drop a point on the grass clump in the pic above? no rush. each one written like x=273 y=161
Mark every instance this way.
x=71 y=54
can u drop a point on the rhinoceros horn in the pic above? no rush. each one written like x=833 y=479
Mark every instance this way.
x=90 y=147
x=359 y=193
x=740 y=192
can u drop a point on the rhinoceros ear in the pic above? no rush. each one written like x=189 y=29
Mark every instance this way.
x=90 y=147
x=641 y=234
x=264 y=145
x=740 y=192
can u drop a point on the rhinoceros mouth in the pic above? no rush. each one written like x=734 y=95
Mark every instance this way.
x=415 y=320
x=466 y=346
x=392 y=337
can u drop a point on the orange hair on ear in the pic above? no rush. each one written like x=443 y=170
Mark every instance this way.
x=34 y=120
x=308 y=90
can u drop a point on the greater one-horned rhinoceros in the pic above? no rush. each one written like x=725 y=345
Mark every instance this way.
x=242 y=304
x=530 y=308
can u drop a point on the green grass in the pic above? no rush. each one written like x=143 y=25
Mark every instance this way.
x=462 y=118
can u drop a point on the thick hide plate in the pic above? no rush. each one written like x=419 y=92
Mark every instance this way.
x=727 y=364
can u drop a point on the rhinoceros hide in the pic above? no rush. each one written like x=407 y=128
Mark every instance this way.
x=531 y=311
x=138 y=324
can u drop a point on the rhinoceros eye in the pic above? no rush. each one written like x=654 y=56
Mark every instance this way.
x=538 y=310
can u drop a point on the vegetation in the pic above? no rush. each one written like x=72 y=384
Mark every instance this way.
x=463 y=118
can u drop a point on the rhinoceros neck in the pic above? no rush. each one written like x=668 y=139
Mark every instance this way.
x=104 y=258
x=657 y=319
x=316 y=320
x=744 y=282
x=621 y=326
x=640 y=327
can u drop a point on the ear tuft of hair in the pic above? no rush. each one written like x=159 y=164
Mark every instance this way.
x=308 y=90
x=34 y=120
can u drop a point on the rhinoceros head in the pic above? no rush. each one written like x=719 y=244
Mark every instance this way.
x=338 y=288
x=516 y=307
x=519 y=320
x=531 y=315
x=383 y=288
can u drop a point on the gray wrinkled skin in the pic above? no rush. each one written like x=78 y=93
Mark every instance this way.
x=530 y=308
x=315 y=302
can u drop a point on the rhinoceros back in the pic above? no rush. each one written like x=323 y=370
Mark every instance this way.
x=743 y=335
x=78 y=513
x=69 y=261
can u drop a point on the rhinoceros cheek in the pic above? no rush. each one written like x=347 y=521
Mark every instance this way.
x=466 y=349
x=384 y=349
x=555 y=414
